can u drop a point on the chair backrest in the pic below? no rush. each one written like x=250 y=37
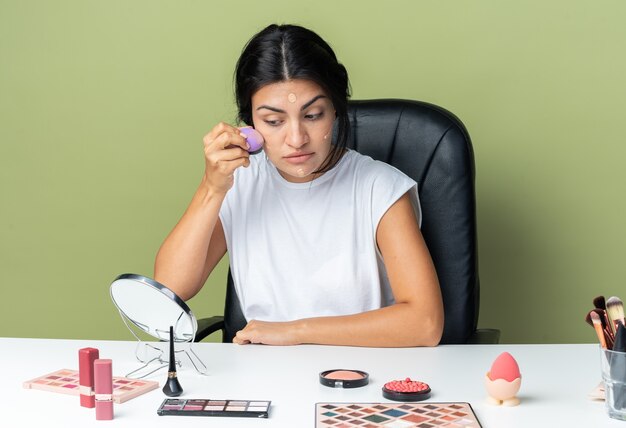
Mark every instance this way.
x=432 y=146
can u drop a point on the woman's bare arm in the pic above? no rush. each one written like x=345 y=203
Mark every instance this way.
x=196 y=244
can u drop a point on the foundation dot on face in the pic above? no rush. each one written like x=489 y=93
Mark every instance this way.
x=292 y=97
x=301 y=172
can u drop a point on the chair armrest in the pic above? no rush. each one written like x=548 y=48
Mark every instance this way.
x=485 y=336
x=207 y=326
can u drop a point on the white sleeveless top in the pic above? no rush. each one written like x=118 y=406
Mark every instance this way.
x=301 y=250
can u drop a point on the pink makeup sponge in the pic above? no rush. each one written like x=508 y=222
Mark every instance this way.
x=503 y=381
x=504 y=367
x=253 y=137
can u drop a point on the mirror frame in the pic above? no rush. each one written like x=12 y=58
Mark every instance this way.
x=165 y=292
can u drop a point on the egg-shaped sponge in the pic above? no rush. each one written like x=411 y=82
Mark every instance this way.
x=253 y=137
x=504 y=367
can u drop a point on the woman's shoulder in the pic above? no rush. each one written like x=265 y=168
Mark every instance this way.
x=365 y=166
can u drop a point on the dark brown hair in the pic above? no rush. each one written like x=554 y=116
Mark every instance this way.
x=285 y=52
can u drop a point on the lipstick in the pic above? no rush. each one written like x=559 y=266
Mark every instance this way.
x=103 y=376
x=86 y=357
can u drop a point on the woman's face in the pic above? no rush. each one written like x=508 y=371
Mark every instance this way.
x=296 y=119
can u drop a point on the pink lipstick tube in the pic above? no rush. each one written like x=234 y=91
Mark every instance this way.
x=103 y=376
x=86 y=357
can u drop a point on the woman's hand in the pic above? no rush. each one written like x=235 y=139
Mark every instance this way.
x=225 y=149
x=268 y=333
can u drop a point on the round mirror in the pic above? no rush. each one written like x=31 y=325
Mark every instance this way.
x=153 y=308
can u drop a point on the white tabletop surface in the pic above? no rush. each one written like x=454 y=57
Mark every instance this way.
x=556 y=381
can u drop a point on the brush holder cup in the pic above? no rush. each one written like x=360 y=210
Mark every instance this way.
x=614 y=377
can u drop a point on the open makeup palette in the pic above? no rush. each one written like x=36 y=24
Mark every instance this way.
x=233 y=408
x=395 y=415
x=65 y=381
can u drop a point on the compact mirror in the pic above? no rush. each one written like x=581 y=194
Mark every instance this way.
x=153 y=308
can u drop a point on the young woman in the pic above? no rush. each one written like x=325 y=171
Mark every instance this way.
x=324 y=243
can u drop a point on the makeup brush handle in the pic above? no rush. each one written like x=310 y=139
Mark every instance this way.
x=609 y=341
x=600 y=334
x=605 y=318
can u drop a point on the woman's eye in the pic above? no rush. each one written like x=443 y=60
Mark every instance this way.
x=313 y=116
x=272 y=122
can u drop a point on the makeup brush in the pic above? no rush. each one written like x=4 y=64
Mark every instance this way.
x=618 y=367
x=597 y=325
x=599 y=302
x=620 y=339
x=601 y=314
x=615 y=312
x=604 y=325
x=172 y=387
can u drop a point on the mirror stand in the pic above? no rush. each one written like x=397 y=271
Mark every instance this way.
x=147 y=354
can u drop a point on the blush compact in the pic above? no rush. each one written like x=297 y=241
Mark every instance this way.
x=406 y=390
x=344 y=378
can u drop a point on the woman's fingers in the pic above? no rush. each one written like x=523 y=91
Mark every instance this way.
x=269 y=333
x=223 y=136
x=225 y=165
x=225 y=150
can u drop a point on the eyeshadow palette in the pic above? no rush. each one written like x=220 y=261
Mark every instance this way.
x=395 y=415
x=232 y=408
x=65 y=381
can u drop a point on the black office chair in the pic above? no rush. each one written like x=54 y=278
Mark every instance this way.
x=431 y=145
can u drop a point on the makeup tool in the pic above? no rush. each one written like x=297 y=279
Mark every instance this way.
x=342 y=378
x=406 y=390
x=86 y=357
x=614 y=374
x=503 y=381
x=599 y=303
x=597 y=325
x=615 y=312
x=608 y=333
x=607 y=336
x=227 y=408
x=620 y=339
x=66 y=381
x=103 y=379
x=386 y=415
x=253 y=137
x=172 y=387
x=601 y=314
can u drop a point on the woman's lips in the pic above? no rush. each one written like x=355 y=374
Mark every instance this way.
x=298 y=158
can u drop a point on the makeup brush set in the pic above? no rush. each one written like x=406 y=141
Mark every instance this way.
x=607 y=318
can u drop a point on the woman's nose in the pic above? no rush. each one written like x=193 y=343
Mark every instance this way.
x=296 y=135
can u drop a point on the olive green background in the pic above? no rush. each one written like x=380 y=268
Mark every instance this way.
x=103 y=105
